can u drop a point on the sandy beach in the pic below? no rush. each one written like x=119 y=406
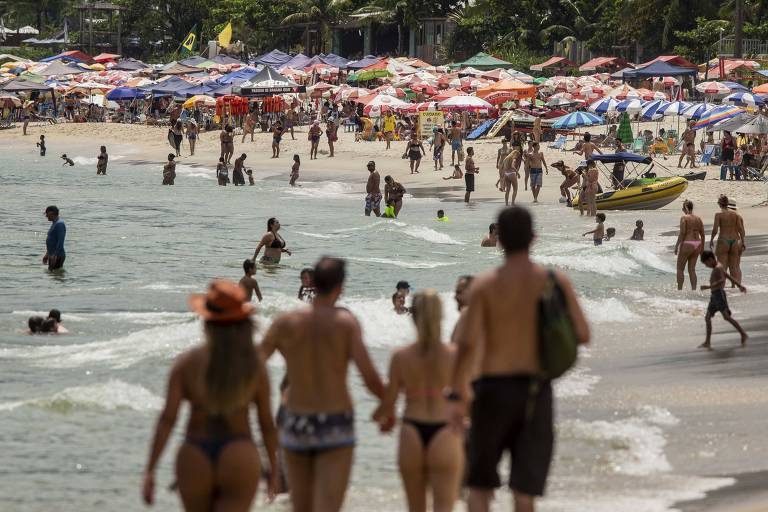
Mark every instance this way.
x=642 y=361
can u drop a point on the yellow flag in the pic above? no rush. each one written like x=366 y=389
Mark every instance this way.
x=225 y=36
x=189 y=41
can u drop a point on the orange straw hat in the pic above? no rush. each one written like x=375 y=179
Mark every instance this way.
x=224 y=302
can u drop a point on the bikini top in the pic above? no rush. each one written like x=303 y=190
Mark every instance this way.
x=277 y=243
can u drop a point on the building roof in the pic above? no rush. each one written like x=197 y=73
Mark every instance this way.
x=552 y=62
x=675 y=60
x=603 y=62
x=659 y=68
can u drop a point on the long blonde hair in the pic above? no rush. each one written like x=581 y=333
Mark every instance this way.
x=427 y=311
x=232 y=365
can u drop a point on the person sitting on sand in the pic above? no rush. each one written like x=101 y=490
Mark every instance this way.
x=67 y=161
x=638 y=234
x=398 y=301
x=492 y=239
x=457 y=174
x=248 y=283
x=599 y=232
x=441 y=217
x=718 y=301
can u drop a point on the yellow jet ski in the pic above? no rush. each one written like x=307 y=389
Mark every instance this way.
x=641 y=194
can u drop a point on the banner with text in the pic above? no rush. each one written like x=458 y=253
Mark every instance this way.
x=428 y=121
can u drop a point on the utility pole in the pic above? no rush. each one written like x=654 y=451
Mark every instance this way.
x=738 y=22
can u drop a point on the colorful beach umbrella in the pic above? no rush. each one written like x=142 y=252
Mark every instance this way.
x=675 y=108
x=124 y=93
x=199 y=100
x=743 y=99
x=577 y=119
x=697 y=110
x=716 y=115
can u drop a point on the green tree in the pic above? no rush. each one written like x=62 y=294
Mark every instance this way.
x=321 y=13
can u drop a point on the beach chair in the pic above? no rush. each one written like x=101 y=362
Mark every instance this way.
x=638 y=145
x=559 y=143
x=706 y=156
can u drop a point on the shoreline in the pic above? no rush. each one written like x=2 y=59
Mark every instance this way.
x=748 y=493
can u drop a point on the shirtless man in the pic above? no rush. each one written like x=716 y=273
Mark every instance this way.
x=535 y=161
x=317 y=432
x=718 y=301
x=492 y=239
x=502 y=332
x=500 y=156
x=510 y=173
x=689 y=147
x=290 y=120
x=373 y=191
x=588 y=148
x=250 y=126
x=226 y=138
x=248 y=283
x=455 y=137
x=537 y=129
x=571 y=178
x=731 y=241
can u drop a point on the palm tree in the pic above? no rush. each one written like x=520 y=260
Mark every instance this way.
x=322 y=13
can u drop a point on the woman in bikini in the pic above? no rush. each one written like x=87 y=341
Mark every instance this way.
x=192 y=131
x=226 y=138
x=218 y=464
x=431 y=456
x=591 y=190
x=415 y=151
x=314 y=139
x=731 y=239
x=330 y=133
x=510 y=172
x=273 y=244
x=690 y=243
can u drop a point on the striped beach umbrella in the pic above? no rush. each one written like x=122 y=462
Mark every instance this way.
x=577 y=119
x=716 y=115
x=675 y=108
x=604 y=105
x=629 y=105
x=743 y=99
x=651 y=109
x=697 y=110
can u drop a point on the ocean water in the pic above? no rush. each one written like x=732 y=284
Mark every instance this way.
x=77 y=411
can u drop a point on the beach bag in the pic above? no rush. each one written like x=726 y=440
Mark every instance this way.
x=558 y=346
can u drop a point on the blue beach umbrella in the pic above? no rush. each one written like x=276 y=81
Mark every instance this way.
x=603 y=105
x=697 y=110
x=650 y=110
x=675 y=108
x=743 y=99
x=576 y=119
x=124 y=93
x=630 y=105
x=735 y=86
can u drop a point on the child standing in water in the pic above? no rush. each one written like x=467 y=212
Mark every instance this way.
x=638 y=234
x=248 y=283
x=599 y=232
x=250 y=177
x=295 y=170
x=307 y=289
x=718 y=300
x=41 y=145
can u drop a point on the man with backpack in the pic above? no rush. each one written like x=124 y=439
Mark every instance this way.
x=509 y=321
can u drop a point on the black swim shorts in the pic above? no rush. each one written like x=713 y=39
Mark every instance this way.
x=718 y=301
x=469 y=181
x=501 y=421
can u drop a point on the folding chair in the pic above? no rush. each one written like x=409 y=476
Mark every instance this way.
x=559 y=143
x=638 y=145
x=706 y=156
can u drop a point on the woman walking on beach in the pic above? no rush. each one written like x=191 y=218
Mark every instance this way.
x=192 y=131
x=227 y=143
x=314 y=139
x=273 y=244
x=218 y=465
x=592 y=186
x=430 y=456
x=510 y=172
x=177 y=135
x=330 y=133
x=277 y=136
x=414 y=151
x=731 y=238
x=690 y=243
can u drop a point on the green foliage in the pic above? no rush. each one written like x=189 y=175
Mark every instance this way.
x=700 y=43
